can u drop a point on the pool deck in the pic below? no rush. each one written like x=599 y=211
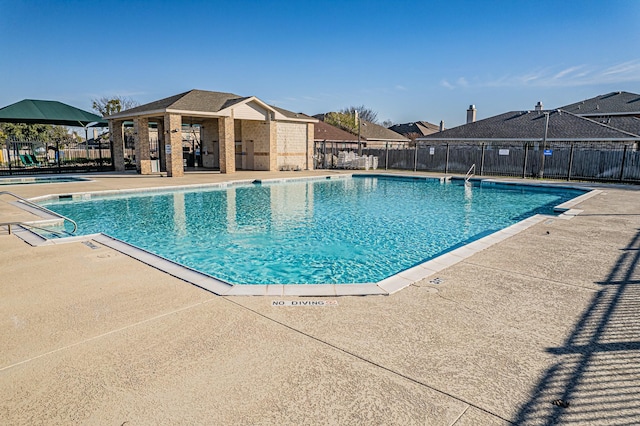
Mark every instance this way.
x=549 y=314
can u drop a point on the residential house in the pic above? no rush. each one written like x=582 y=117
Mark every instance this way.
x=374 y=135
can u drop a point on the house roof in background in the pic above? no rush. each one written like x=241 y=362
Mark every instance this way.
x=614 y=103
x=624 y=123
x=530 y=125
x=33 y=111
x=327 y=132
x=421 y=128
x=373 y=132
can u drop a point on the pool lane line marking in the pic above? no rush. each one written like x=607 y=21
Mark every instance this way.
x=105 y=334
x=368 y=361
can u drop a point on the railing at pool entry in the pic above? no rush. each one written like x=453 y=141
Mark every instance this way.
x=38 y=207
x=470 y=173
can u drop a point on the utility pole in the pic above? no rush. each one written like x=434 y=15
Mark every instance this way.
x=544 y=143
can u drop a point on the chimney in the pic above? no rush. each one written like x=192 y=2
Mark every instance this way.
x=539 y=106
x=471 y=114
x=441 y=125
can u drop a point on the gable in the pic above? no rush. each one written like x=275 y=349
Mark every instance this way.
x=250 y=111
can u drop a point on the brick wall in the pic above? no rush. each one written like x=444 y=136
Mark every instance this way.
x=292 y=146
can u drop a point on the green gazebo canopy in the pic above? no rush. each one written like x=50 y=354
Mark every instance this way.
x=31 y=111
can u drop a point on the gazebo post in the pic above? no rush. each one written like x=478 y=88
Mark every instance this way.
x=141 y=138
x=227 y=145
x=117 y=138
x=173 y=145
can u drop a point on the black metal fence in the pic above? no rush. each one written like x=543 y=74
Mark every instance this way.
x=19 y=157
x=591 y=161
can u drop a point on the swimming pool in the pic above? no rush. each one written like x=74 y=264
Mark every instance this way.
x=359 y=229
x=28 y=180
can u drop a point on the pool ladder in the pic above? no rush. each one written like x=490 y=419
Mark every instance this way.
x=470 y=173
x=38 y=207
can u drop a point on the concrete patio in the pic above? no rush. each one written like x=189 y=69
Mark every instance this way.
x=508 y=336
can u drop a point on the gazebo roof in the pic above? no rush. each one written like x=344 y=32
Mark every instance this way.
x=32 y=111
x=204 y=103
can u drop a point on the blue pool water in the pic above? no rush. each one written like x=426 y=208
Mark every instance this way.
x=352 y=230
x=40 y=179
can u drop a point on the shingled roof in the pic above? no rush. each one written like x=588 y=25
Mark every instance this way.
x=373 y=132
x=624 y=123
x=530 y=125
x=421 y=128
x=329 y=133
x=200 y=101
x=614 y=103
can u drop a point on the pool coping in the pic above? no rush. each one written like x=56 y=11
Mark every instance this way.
x=47 y=179
x=387 y=286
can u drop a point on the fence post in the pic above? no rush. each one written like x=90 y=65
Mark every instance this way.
x=58 y=155
x=415 y=158
x=524 y=166
x=9 y=159
x=324 y=164
x=624 y=157
x=446 y=164
x=482 y=161
x=386 y=160
x=570 y=160
x=100 y=152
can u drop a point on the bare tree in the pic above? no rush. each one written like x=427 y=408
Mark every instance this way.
x=364 y=113
x=387 y=123
x=107 y=106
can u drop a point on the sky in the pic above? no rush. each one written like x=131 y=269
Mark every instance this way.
x=406 y=60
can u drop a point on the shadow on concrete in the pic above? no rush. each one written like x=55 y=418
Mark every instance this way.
x=596 y=379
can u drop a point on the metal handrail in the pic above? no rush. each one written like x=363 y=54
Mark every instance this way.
x=470 y=173
x=43 y=209
x=29 y=225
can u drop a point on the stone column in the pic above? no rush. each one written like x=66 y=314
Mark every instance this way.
x=117 y=144
x=310 y=146
x=141 y=137
x=173 y=145
x=273 y=145
x=227 y=145
x=161 y=138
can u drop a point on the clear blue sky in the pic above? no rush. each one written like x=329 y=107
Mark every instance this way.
x=407 y=60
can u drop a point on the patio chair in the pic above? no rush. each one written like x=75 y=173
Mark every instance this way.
x=26 y=160
x=33 y=159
